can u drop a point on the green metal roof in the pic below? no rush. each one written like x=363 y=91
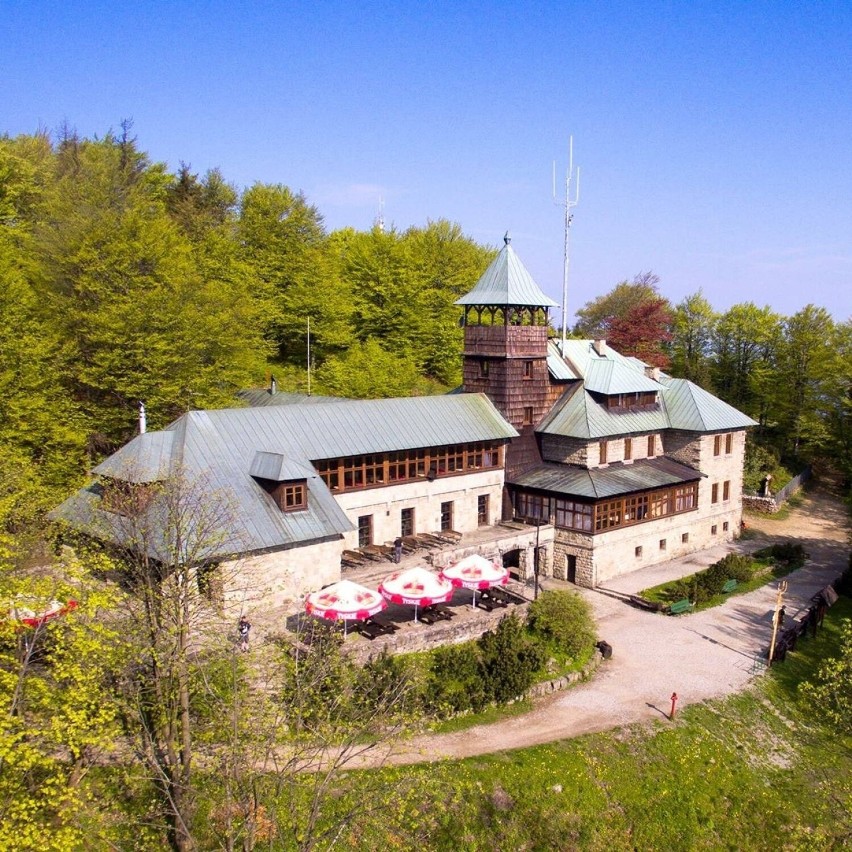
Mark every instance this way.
x=611 y=481
x=226 y=449
x=507 y=282
x=694 y=409
x=557 y=365
x=579 y=415
x=610 y=376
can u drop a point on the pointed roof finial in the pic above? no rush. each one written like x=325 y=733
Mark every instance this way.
x=507 y=238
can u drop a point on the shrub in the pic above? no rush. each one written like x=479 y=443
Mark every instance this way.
x=509 y=659
x=737 y=567
x=790 y=552
x=456 y=680
x=566 y=619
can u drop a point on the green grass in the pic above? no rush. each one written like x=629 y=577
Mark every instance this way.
x=794 y=502
x=752 y=772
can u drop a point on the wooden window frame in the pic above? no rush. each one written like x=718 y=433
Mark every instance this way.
x=603 y=451
x=407 y=521
x=652 y=446
x=714 y=493
x=483 y=509
x=528 y=370
x=717 y=445
x=628 y=449
x=291 y=496
x=729 y=444
x=365 y=540
x=377 y=470
x=527 y=415
x=484 y=368
x=726 y=490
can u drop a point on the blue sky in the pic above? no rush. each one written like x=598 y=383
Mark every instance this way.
x=714 y=139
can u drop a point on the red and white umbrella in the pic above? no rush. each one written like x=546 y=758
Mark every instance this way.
x=32 y=614
x=476 y=572
x=416 y=587
x=344 y=600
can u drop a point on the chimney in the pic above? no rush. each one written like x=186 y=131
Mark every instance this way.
x=652 y=373
x=273 y=386
x=599 y=346
x=142 y=421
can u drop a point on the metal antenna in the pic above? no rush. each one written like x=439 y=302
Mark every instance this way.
x=380 y=218
x=309 y=356
x=568 y=204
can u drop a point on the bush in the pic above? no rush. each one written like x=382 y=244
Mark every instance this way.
x=456 y=681
x=789 y=552
x=509 y=659
x=566 y=619
x=737 y=567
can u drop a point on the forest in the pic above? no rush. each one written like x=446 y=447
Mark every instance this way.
x=122 y=281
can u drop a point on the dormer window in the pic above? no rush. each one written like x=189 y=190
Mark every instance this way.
x=291 y=496
x=282 y=479
x=631 y=400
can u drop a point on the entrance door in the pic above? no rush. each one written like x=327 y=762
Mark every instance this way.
x=570 y=568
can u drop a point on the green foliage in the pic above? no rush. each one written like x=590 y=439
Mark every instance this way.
x=564 y=618
x=829 y=694
x=455 y=683
x=509 y=659
x=791 y=552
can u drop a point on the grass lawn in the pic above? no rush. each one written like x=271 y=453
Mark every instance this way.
x=755 y=771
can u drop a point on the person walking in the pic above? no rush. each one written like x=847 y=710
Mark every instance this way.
x=243 y=630
x=397 y=551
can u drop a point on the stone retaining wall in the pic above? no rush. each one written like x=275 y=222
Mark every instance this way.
x=767 y=505
x=560 y=683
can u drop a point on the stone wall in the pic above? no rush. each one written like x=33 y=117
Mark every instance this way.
x=384 y=505
x=767 y=505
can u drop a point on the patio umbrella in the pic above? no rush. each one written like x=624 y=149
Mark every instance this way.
x=33 y=614
x=416 y=587
x=346 y=601
x=476 y=572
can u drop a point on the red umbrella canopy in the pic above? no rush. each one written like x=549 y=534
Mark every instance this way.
x=416 y=587
x=34 y=614
x=476 y=572
x=344 y=600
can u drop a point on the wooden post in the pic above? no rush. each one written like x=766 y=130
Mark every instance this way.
x=782 y=588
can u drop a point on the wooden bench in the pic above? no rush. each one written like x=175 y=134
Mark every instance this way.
x=729 y=587
x=679 y=607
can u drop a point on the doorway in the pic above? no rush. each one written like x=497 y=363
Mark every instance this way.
x=571 y=568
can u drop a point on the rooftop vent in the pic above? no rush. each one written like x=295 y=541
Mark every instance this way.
x=599 y=346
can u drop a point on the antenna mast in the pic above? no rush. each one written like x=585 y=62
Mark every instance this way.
x=309 y=356
x=568 y=204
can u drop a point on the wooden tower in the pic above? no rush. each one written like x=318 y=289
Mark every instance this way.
x=505 y=348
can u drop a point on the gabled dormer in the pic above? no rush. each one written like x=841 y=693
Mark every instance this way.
x=285 y=480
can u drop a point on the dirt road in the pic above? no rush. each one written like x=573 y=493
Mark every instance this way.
x=699 y=656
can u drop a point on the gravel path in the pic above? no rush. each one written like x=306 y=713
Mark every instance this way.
x=703 y=655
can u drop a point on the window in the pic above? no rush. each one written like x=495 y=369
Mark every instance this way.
x=528 y=369
x=729 y=444
x=652 y=446
x=365 y=530
x=482 y=510
x=714 y=529
x=662 y=544
x=528 y=415
x=714 y=493
x=684 y=539
x=483 y=369
x=602 y=449
x=726 y=489
x=725 y=526
x=292 y=497
x=573 y=516
x=447 y=516
x=638 y=551
x=717 y=445
x=628 y=449
x=406 y=522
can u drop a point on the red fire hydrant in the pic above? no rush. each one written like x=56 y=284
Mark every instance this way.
x=674 y=704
